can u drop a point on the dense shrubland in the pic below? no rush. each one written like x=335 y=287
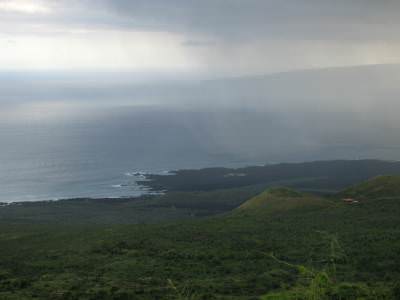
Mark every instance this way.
x=292 y=246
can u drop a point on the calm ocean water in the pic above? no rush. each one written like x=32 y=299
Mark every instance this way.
x=56 y=150
x=67 y=135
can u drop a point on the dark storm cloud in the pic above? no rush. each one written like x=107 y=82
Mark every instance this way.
x=198 y=43
x=233 y=37
x=230 y=19
x=298 y=19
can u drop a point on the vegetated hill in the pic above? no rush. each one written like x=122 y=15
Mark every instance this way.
x=377 y=187
x=281 y=199
x=341 y=251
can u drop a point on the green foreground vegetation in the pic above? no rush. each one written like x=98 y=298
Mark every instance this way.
x=279 y=244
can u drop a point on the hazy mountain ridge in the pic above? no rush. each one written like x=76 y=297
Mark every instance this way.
x=262 y=118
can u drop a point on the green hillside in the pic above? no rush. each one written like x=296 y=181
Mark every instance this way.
x=281 y=244
x=280 y=199
x=378 y=187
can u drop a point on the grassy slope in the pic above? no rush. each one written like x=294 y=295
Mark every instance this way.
x=227 y=257
x=282 y=199
x=378 y=187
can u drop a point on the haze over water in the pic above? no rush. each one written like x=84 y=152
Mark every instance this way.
x=93 y=152
x=66 y=136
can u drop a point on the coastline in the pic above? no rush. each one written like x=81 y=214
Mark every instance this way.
x=318 y=176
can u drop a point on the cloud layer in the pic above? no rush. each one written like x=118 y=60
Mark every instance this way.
x=216 y=36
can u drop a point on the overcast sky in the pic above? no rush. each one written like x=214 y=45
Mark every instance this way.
x=232 y=37
x=314 y=114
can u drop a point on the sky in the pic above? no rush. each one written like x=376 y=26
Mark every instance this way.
x=227 y=37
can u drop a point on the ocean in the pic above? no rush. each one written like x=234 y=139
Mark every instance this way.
x=59 y=150
x=68 y=135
